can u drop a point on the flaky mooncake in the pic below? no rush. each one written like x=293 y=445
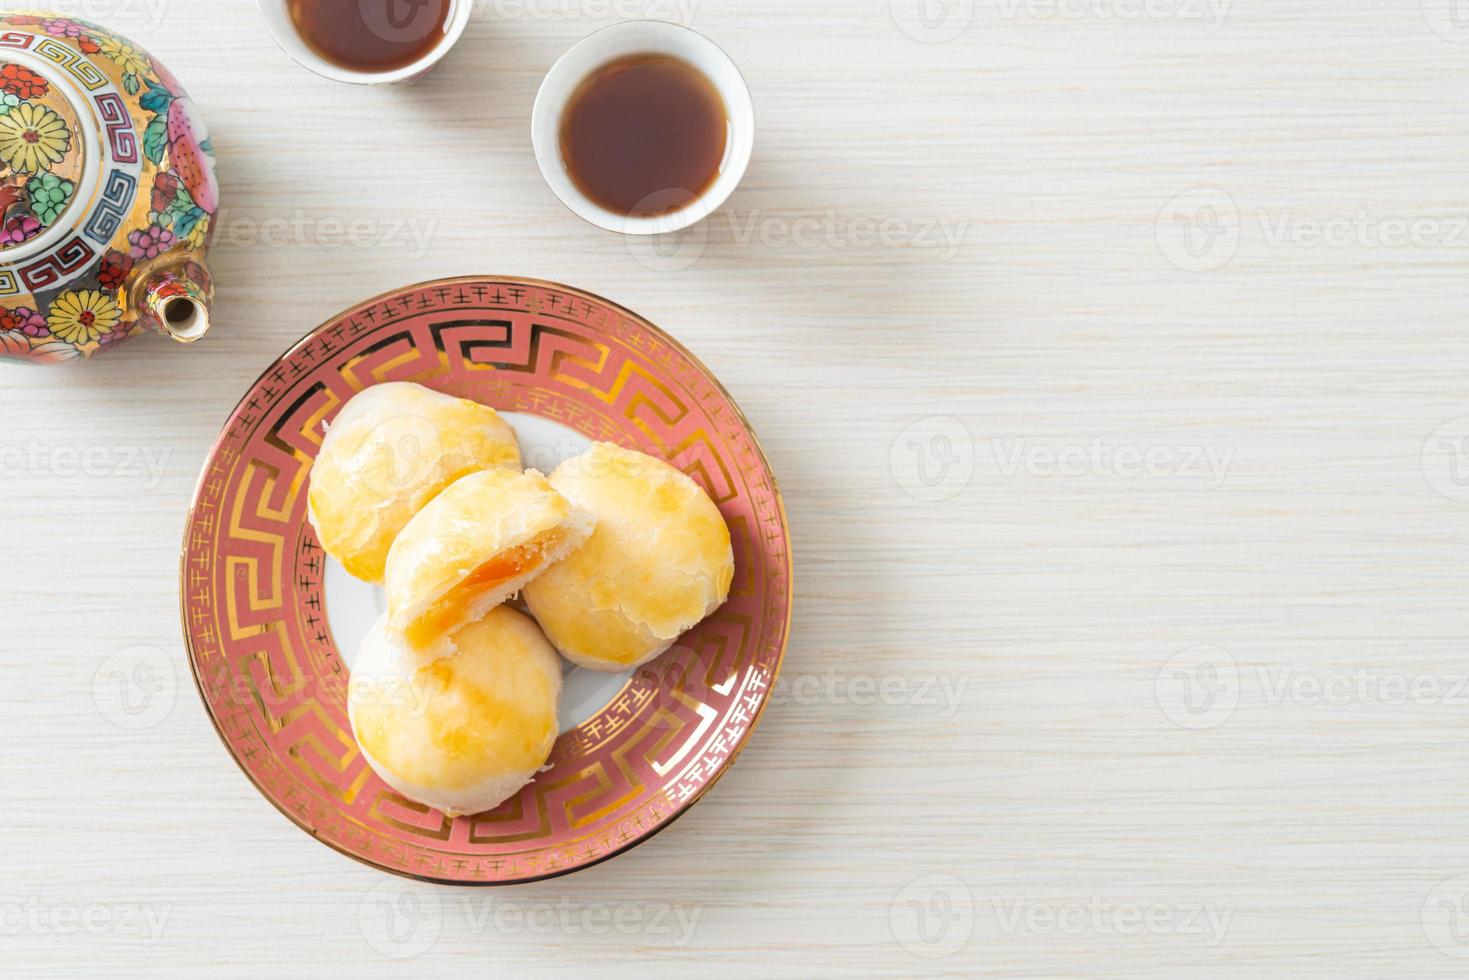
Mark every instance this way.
x=658 y=563
x=391 y=450
x=471 y=548
x=461 y=733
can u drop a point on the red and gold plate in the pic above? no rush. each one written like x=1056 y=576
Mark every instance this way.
x=271 y=622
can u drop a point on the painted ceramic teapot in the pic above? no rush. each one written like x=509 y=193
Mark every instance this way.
x=107 y=193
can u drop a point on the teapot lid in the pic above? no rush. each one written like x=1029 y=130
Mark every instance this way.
x=46 y=153
x=70 y=153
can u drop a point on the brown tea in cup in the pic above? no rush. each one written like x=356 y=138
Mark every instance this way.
x=645 y=135
x=372 y=35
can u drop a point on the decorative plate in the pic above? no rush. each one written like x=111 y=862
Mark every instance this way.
x=272 y=624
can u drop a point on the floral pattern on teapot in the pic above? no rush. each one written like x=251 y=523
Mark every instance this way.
x=107 y=193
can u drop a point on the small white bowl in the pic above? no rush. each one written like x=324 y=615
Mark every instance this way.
x=277 y=18
x=620 y=41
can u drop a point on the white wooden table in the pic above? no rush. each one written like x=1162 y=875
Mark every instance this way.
x=1110 y=354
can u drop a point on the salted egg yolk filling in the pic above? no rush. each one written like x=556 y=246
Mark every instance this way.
x=453 y=608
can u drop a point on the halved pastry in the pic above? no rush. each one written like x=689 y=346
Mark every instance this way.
x=462 y=733
x=658 y=563
x=392 y=449
x=474 y=546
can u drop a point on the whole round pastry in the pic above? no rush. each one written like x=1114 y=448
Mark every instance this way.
x=462 y=733
x=657 y=564
x=471 y=548
x=391 y=450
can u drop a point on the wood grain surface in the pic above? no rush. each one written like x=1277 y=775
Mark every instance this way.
x=1113 y=358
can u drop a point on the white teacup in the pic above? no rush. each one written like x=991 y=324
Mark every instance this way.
x=277 y=17
x=620 y=41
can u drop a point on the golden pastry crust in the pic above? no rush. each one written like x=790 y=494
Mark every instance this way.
x=659 y=562
x=391 y=450
x=461 y=733
x=471 y=548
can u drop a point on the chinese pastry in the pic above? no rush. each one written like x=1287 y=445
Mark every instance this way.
x=391 y=450
x=471 y=548
x=461 y=733
x=658 y=563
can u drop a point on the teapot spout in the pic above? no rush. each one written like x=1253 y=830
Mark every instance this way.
x=177 y=307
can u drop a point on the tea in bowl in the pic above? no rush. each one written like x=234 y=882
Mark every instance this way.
x=644 y=128
x=367 y=42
